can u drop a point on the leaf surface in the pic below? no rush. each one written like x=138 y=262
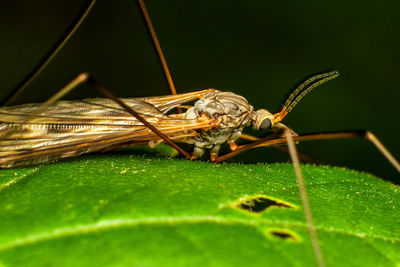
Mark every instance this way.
x=123 y=209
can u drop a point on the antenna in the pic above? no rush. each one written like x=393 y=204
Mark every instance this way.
x=302 y=90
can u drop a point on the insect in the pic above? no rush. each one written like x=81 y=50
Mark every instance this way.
x=216 y=114
x=33 y=133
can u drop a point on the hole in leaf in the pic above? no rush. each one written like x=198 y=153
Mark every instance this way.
x=259 y=204
x=283 y=234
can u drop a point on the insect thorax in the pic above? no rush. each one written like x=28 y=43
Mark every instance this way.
x=231 y=113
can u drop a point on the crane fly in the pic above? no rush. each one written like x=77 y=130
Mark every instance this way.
x=35 y=133
x=32 y=134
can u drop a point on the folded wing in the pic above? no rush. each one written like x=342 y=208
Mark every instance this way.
x=70 y=128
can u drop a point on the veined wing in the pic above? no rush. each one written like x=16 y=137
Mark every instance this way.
x=70 y=128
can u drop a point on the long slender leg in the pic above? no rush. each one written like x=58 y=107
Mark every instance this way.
x=319 y=136
x=302 y=156
x=51 y=53
x=157 y=46
x=294 y=155
x=304 y=199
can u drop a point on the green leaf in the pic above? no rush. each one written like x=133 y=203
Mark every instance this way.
x=122 y=209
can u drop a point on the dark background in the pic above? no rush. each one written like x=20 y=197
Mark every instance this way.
x=259 y=49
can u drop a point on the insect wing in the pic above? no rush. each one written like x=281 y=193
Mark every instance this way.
x=71 y=128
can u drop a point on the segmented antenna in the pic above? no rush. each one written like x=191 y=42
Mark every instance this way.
x=302 y=90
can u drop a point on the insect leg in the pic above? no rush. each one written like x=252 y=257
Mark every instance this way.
x=300 y=181
x=302 y=156
x=50 y=54
x=319 y=136
x=304 y=198
x=157 y=46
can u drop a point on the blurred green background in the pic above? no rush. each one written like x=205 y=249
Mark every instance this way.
x=259 y=49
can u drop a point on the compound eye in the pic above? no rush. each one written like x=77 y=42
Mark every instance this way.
x=266 y=124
